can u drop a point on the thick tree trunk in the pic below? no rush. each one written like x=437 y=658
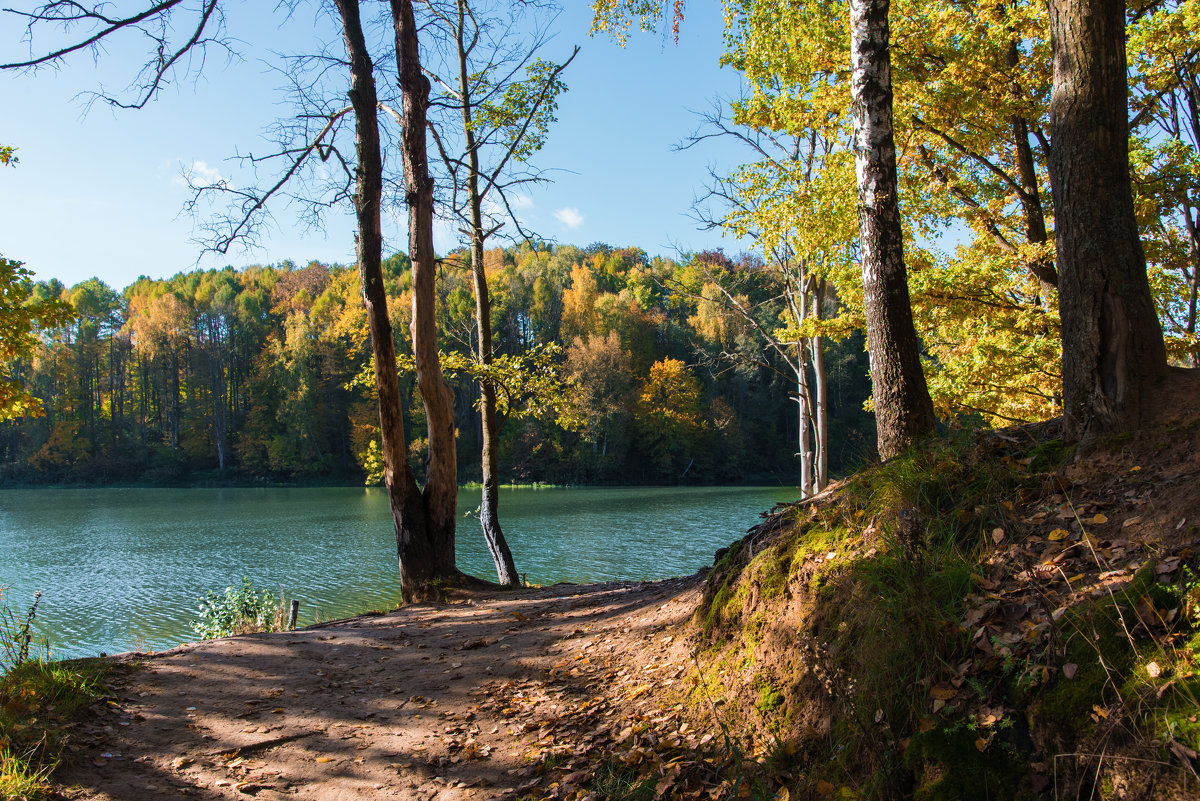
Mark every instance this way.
x=489 y=515
x=421 y=547
x=903 y=409
x=441 y=480
x=1113 y=349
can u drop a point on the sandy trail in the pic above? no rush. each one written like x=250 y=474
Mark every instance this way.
x=461 y=700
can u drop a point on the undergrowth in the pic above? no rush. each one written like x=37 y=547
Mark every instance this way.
x=844 y=622
x=240 y=610
x=40 y=703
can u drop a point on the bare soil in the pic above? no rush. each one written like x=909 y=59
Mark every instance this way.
x=489 y=695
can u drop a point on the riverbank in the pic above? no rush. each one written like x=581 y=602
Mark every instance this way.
x=489 y=695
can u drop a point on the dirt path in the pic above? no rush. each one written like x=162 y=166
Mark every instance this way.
x=486 y=696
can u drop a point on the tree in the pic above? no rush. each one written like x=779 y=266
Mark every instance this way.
x=21 y=315
x=507 y=118
x=1113 y=351
x=424 y=517
x=903 y=410
x=1165 y=158
x=669 y=416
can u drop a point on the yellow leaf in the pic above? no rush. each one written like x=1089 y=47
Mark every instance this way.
x=1099 y=518
x=981 y=744
x=943 y=692
x=783 y=794
x=1058 y=534
x=323 y=759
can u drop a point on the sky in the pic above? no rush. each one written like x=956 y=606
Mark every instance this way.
x=99 y=193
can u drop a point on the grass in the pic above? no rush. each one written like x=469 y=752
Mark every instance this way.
x=616 y=782
x=41 y=701
x=871 y=588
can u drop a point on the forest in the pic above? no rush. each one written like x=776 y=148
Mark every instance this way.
x=254 y=374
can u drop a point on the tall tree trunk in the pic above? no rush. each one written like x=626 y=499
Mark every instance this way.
x=903 y=409
x=422 y=553
x=489 y=516
x=1113 y=349
x=820 y=393
x=804 y=400
x=441 y=475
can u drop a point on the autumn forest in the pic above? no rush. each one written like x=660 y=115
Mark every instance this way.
x=256 y=374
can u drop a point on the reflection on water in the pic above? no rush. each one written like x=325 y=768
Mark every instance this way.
x=123 y=568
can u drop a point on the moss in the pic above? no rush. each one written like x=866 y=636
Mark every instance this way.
x=1096 y=639
x=949 y=765
x=1050 y=455
x=769 y=698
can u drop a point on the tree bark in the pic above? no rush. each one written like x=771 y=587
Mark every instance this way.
x=804 y=401
x=489 y=516
x=903 y=409
x=1113 y=350
x=441 y=476
x=424 y=553
x=820 y=393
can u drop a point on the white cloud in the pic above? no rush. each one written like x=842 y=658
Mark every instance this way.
x=520 y=202
x=199 y=173
x=569 y=216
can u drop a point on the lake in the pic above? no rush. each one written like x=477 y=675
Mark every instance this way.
x=123 y=569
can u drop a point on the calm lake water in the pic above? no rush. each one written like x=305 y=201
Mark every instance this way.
x=124 y=568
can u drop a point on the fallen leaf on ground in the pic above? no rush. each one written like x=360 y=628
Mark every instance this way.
x=943 y=692
x=1069 y=670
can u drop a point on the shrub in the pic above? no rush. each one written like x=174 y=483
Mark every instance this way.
x=241 y=610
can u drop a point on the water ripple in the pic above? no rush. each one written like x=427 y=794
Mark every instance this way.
x=123 y=568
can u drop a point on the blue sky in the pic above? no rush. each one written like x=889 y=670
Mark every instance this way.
x=100 y=194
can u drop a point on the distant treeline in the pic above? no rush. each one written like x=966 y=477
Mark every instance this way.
x=249 y=375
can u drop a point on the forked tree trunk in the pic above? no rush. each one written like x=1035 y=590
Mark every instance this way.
x=1113 y=351
x=903 y=409
x=425 y=552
